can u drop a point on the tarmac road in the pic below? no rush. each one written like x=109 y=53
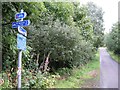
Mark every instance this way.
x=108 y=70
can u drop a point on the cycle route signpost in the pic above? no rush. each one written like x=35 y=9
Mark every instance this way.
x=21 y=39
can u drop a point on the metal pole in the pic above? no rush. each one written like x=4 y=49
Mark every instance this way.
x=19 y=68
x=19 y=64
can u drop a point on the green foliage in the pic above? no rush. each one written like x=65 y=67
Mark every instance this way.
x=112 y=39
x=82 y=22
x=6 y=81
x=64 y=71
x=50 y=31
x=65 y=43
x=61 y=29
x=114 y=56
x=30 y=80
x=9 y=46
x=95 y=13
x=62 y=11
x=37 y=80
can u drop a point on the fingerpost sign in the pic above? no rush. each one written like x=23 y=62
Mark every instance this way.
x=21 y=39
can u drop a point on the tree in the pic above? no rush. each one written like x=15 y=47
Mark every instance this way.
x=83 y=23
x=62 y=11
x=112 y=39
x=95 y=13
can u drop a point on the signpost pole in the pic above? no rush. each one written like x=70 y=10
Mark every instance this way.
x=19 y=68
x=19 y=65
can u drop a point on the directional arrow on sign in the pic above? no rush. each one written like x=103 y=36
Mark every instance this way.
x=21 y=23
x=22 y=31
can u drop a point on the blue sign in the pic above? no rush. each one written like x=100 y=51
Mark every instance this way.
x=21 y=42
x=22 y=31
x=20 y=15
x=21 y=23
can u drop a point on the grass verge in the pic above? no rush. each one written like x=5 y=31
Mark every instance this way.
x=79 y=75
x=114 y=56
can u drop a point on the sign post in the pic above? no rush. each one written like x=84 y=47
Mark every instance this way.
x=19 y=68
x=21 y=40
x=19 y=63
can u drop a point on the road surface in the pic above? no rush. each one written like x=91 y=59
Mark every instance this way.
x=108 y=70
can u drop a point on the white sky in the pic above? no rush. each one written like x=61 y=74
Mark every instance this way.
x=110 y=7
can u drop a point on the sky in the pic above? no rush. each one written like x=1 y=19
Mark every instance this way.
x=110 y=8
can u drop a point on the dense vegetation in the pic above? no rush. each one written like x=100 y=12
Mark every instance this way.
x=96 y=16
x=112 y=39
x=66 y=35
x=113 y=43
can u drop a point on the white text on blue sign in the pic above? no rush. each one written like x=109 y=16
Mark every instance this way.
x=21 y=23
x=20 y=15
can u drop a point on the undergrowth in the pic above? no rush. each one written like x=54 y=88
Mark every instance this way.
x=75 y=77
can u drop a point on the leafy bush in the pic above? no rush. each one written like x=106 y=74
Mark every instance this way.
x=37 y=80
x=6 y=83
x=30 y=80
x=112 y=39
x=64 y=42
x=64 y=71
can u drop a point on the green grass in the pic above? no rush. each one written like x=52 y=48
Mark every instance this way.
x=76 y=79
x=114 y=56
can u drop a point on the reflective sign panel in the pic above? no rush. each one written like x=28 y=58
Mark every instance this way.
x=21 y=23
x=20 y=15
x=21 y=42
x=22 y=31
